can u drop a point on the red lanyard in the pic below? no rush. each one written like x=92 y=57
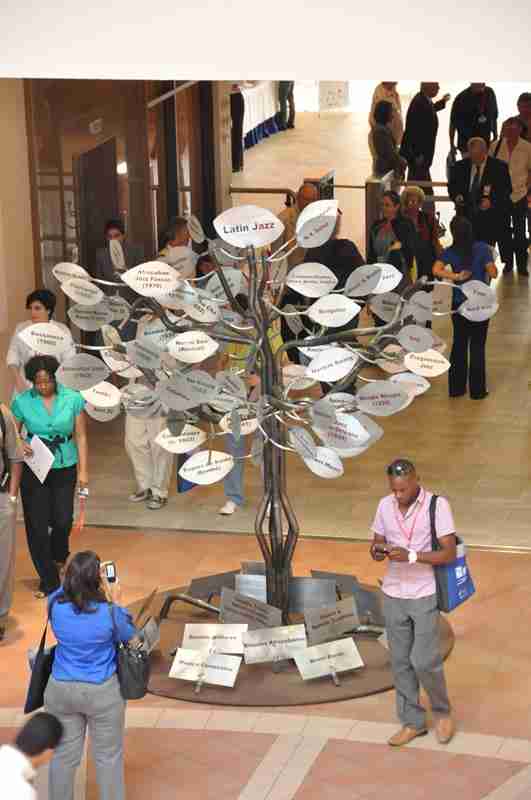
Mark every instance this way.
x=399 y=518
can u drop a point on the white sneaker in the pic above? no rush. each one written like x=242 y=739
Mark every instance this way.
x=229 y=508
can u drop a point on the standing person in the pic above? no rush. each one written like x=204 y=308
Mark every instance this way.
x=524 y=114
x=469 y=260
x=83 y=690
x=386 y=155
x=427 y=247
x=33 y=747
x=422 y=124
x=237 y=113
x=392 y=238
x=387 y=91
x=11 y=460
x=474 y=114
x=480 y=187
x=286 y=98
x=306 y=194
x=515 y=151
x=41 y=305
x=112 y=261
x=55 y=414
x=174 y=239
x=402 y=533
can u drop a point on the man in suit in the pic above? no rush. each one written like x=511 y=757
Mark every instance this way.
x=112 y=261
x=481 y=188
x=422 y=124
x=474 y=113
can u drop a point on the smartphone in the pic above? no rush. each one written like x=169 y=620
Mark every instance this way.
x=110 y=571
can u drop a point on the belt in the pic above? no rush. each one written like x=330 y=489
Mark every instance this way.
x=54 y=444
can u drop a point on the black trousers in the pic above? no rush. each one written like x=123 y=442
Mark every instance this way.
x=237 y=108
x=513 y=242
x=420 y=173
x=467 y=359
x=286 y=98
x=48 y=505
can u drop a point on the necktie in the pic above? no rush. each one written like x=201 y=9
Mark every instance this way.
x=474 y=189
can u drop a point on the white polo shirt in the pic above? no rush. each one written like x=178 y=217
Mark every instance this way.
x=17 y=774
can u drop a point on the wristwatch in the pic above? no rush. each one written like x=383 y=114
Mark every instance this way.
x=411 y=556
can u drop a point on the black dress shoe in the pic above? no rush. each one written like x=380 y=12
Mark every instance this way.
x=524 y=273
x=456 y=394
x=290 y=127
x=479 y=396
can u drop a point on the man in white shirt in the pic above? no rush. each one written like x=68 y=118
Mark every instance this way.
x=515 y=151
x=387 y=91
x=33 y=747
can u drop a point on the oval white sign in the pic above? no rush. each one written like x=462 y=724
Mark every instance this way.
x=428 y=364
x=203 y=309
x=65 y=271
x=302 y=442
x=152 y=279
x=207 y=467
x=382 y=398
x=316 y=223
x=233 y=277
x=323 y=414
x=183 y=260
x=420 y=307
x=45 y=338
x=248 y=226
x=346 y=433
x=477 y=290
x=90 y=318
x=156 y=334
x=119 y=365
x=296 y=377
x=119 y=308
x=192 y=347
x=390 y=277
x=332 y=364
x=385 y=305
x=478 y=310
x=103 y=414
x=189 y=438
x=333 y=310
x=325 y=464
x=311 y=280
x=415 y=339
x=103 y=395
x=179 y=298
x=82 y=372
x=142 y=353
x=82 y=291
x=417 y=382
x=247 y=424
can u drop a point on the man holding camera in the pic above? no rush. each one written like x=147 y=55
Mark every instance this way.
x=11 y=460
x=402 y=534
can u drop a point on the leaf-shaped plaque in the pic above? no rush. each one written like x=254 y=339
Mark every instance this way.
x=247 y=424
x=323 y=414
x=382 y=398
x=82 y=372
x=144 y=354
x=192 y=347
x=477 y=310
x=390 y=277
x=103 y=395
x=65 y=271
x=417 y=382
x=46 y=338
x=429 y=364
x=179 y=298
x=103 y=414
x=345 y=433
x=296 y=377
x=316 y=223
x=82 y=291
x=302 y=442
x=204 y=309
x=248 y=226
x=420 y=307
x=189 y=438
x=118 y=307
x=332 y=364
x=385 y=305
x=415 y=339
x=325 y=464
x=477 y=290
x=363 y=280
x=152 y=279
x=195 y=229
x=91 y=318
x=206 y=467
x=294 y=323
x=234 y=278
x=333 y=310
x=183 y=260
x=311 y=280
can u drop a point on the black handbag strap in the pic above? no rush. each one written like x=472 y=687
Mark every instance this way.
x=45 y=631
x=115 y=637
x=433 y=510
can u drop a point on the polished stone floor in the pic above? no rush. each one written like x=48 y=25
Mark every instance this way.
x=475 y=452
x=186 y=751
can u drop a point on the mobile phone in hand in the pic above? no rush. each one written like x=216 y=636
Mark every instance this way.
x=110 y=571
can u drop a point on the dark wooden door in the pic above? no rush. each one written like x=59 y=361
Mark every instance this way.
x=97 y=193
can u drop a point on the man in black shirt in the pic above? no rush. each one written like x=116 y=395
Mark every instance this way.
x=422 y=124
x=474 y=113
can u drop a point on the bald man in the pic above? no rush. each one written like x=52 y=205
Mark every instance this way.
x=307 y=193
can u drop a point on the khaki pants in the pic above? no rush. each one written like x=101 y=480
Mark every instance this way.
x=152 y=464
x=8 y=516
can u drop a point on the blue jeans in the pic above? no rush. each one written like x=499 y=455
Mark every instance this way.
x=233 y=483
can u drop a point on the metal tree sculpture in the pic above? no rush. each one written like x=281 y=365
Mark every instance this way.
x=192 y=324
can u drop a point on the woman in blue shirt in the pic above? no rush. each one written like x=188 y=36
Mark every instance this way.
x=83 y=689
x=469 y=260
x=55 y=414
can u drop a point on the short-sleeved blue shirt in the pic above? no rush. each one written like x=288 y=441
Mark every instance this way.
x=86 y=647
x=29 y=408
x=481 y=256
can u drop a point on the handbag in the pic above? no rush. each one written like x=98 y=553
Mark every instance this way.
x=40 y=672
x=454 y=581
x=132 y=666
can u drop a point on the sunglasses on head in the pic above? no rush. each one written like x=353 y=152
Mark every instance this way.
x=400 y=468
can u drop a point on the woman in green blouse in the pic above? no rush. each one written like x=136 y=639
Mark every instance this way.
x=55 y=414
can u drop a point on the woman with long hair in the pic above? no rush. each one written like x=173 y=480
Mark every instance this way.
x=55 y=414
x=466 y=259
x=83 y=690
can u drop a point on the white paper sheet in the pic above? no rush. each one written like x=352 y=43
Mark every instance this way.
x=42 y=459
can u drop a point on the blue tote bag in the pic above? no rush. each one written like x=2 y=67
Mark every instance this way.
x=454 y=581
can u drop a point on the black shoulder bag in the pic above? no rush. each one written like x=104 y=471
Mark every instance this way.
x=133 y=666
x=40 y=671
